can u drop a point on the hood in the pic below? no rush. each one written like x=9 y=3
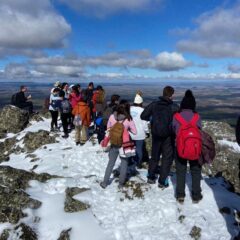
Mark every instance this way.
x=119 y=117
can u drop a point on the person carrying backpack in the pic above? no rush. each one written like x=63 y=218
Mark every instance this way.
x=160 y=114
x=187 y=125
x=82 y=119
x=119 y=123
x=65 y=112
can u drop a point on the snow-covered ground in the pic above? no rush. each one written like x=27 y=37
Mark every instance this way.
x=156 y=215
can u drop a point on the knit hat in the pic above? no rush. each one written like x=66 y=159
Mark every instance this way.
x=138 y=99
x=57 y=84
x=188 y=101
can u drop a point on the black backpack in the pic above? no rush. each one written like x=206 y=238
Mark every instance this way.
x=14 y=99
x=162 y=120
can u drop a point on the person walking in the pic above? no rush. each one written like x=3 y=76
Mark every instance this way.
x=160 y=114
x=186 y=125
x=119 y=121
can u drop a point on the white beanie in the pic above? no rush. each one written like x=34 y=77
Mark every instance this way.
x=138 y=99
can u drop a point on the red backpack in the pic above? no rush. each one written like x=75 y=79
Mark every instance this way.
x=188 y=140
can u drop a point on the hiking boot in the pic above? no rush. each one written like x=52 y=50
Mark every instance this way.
x=151 y=181
x=52 y=130
x=82 y=143
x=180 y=200
x=197 y=199
x=116 y=173
x=103 y=185
x=77 y=143
x=65 y=136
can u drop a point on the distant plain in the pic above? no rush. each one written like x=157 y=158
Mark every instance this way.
x=215 y=101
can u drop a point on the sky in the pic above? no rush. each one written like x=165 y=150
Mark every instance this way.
x=119 y=40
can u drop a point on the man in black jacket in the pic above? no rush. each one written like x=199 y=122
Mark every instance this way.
x=22 y=101
x=160 y=114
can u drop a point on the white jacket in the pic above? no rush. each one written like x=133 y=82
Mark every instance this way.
x=141 y=125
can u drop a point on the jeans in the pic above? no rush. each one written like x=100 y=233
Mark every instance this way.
x=139 y=151
x=113 y=154
x=181 y=170
x=54 y=115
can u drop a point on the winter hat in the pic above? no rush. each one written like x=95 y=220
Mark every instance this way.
x=57 y=84
x=188 y=101
x=138 y=99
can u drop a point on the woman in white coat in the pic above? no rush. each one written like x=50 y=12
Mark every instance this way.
x=141 y=126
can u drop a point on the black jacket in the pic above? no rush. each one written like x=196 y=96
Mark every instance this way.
x=238 y=131
x=160 y=114
x=20 y=99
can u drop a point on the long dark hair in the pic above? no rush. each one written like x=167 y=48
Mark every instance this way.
x=76 y=90
x=126 y=105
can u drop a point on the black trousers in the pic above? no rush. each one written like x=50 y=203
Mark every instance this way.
x=28 y=106
x=54 y=115
x=161 y=146
x=65 y=120
x=181 y=170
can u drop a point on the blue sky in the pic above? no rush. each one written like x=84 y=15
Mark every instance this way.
x=115 y=40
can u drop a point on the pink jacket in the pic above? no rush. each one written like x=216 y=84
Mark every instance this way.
x=74 y=99
x=129 y=125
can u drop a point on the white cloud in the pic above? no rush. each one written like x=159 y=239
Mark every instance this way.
x=217 y=34
x=28 y=25
x=101 y=8
x=162 y=62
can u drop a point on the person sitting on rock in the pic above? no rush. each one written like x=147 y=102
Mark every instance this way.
x=22 y=101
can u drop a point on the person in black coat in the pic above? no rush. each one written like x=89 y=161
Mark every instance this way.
x=22 y=101
x=160 y=114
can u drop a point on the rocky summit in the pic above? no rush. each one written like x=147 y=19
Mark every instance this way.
x=49 y=189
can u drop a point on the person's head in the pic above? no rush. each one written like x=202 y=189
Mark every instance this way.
x=23 y=88
x=122 y=110
x=168 y=92
x=84 y=96
x=115 y=99
x=126 y=105
x=91 y=85
x=79 y=87
x=188 y=101
x=55 y=91
x=99 y=87
x=61 y=94
x=57 y=84
x=65 y=86
x=138 y=100
x=75 y=90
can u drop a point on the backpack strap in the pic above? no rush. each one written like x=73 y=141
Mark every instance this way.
x=194 y=119
x=180 y=119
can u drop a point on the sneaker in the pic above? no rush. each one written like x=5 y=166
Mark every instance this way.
x=151 y=181
x=103 y=185
x=180 y=200
x=164 y=184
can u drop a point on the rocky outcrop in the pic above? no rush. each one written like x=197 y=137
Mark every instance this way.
x=13 y=199
x=226 y=163
x=13 y=119
x=65 y=234
x=6 y=148
x=34 y=140
x=72 y=205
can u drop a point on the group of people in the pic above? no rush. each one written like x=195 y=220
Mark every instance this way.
x=175 y=134
x=122 y=130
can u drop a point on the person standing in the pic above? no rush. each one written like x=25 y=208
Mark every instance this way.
x=160 y=114
x=54 y=108
x=141 y=126
x=190 y=152
x=82 y=120
x=117 y=122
